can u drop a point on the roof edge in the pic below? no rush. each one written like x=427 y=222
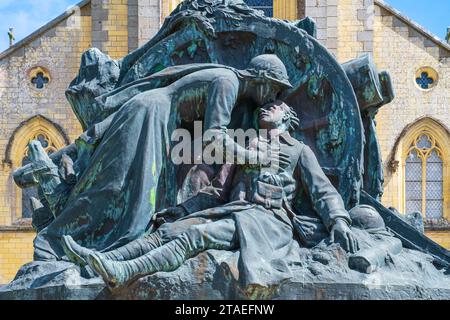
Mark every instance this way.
x=413 y=24
x=43 y=29
x=83 y=3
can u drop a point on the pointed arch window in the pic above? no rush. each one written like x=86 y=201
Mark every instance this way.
x=424 y=178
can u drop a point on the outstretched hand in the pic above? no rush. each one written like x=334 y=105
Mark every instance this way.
x=341 y=233
x=168 y=215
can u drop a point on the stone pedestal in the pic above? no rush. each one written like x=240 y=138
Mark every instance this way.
x=323 y=275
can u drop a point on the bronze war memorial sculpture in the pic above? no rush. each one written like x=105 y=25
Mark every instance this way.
x=230 y=157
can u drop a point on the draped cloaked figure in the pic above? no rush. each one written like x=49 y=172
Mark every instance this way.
x=129 y=174
x=130 y=168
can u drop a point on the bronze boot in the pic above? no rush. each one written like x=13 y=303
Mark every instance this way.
x=168 y=257
x=74 y=252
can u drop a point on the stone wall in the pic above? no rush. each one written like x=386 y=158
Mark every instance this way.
x=355 y=28
x=402 y=50
x=286 y=9
x=325 y=13
x=110 y=26
x=143 y=21
x=441 y=237
x=16 y=249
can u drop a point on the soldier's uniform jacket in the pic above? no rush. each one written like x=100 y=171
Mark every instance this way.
x=259 y=201
x=275 y=189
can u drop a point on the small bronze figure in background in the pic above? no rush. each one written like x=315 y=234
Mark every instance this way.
x=11 y=37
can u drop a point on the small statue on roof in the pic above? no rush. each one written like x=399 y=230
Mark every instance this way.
x=11 y=36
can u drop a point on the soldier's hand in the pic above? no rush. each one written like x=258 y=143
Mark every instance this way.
x=342 y=234
x=168 y=215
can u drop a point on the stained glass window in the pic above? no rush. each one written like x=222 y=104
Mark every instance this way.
x=413 y=183
x=424 y=81
x=263 y=5
x=27 y=193
x=40 y=80
x=424 y=178
x=426 y=78
x=434 y=195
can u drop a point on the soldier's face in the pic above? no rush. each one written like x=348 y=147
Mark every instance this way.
x=272 y=116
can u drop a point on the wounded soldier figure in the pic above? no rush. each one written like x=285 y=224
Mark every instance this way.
x=246 y=207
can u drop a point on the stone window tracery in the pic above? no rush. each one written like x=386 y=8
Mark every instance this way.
x=424 y=81
x=424 y=178
x=426 y=78
x=39 y=78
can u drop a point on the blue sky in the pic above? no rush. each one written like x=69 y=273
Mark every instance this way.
x=434 y=15
x=25 y=16
x=28 y=15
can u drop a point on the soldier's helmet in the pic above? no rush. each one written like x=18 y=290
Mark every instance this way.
x=270 y=67
x=366 y=218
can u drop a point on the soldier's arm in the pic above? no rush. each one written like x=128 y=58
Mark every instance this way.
x=222 y=98
x=326 y=201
